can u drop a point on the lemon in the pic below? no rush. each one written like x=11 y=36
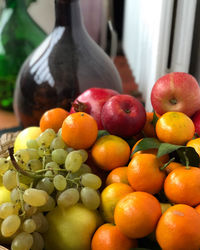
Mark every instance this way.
x=25 y=135
x=4 y=195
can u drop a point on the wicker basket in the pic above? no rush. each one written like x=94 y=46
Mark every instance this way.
x=6 y=141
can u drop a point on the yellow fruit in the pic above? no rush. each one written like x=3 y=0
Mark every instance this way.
x=71 y=228
x=4 y=195
x=25 y=135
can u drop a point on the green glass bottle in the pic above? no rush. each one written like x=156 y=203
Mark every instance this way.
x=19 y=36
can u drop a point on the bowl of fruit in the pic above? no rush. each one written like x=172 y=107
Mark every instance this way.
x=107 y=174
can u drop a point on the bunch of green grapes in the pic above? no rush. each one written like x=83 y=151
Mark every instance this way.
x=46 y=174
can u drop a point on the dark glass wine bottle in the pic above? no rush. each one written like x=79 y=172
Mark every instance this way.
x=63 y=66
x=19 y=36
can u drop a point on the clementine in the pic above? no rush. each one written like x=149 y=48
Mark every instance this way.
x=144 y=173
x=182 y=186
x=53 y=118
x=110 y=152
x=79 y=130
x=175 y=128
x=195 y=143
x=109 y=237
x=109 y=198
x=178 y=228
x=172 y=165
x=136 y=215
x=117 y=175
x=149 y=129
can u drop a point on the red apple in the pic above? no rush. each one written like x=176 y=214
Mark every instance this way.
x=196 y=121
x=123 y=115
x=176 y=91
x=91 y=101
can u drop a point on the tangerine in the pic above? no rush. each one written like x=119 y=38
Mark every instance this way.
x=182 y=186
x=175 y=128
x=109 y=237
x=53 y=118
x=178 y=228
x=173 y=165
x=136 y=215
x=194 y=143
x=144 y=173
x=79 y=130
x=109 y=198
x=110 y=151
x=149 y=129
x=117 y=175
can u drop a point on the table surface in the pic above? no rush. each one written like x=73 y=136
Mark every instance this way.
x=9 y=120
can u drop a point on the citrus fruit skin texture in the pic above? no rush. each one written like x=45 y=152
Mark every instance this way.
x=182 y=186
x=109 y=237
x=178 y=227
x=53 y=118
x=110 y=152
x=71 y=228
x=25 y=135
x=136 y=215
x=195 y=143
x=117 y=175
x=175 y=128
x=144 y=173
x=79 y=130
x=109 y=198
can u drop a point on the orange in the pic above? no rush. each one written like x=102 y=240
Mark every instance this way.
x=163 y=159
x=136 y=215
x=53 y=118
x=149 y=129
x=144 y=173
x=197 y=208
x=117 y=175
x=110 y=152
x=172 y=166
x=182 y=185
x=79 y=130
x=109 y=198
x=175 y=128
x=195 y=143
x=109 y=237
x=178 y=228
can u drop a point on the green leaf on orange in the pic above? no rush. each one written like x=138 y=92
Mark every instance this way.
x=155 y=119
x=102 y=133
x=167 y=148
x=188 y=156
x=146 y=143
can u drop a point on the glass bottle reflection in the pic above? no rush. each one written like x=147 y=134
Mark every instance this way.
x=64 y=65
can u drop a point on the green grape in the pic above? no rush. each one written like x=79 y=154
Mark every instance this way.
x=57 y=143
x=82 y=170
x=68 y=198
x=53 y=166
x=31 y=143
x=83 y=153
x=46 y=137
x=35 y=197
x=29 y=210
x=73 y=161
x=59 y=155
x=4 y=165
x=44 y=151
x=59 y=134
x=49 y=174
x=33 y=153
x=48 y=206
x=23 y=241
x=59 y=182
x=22 y=155
x=8 y=208
x=29 y=226
x=41 y=222
x=45 y=184
x=38 y=242
x=10 y=225
x=10 y=179
x=90 y=198
x=34 y=164
x=91 y=180
x=70 y=149
x=14 y=195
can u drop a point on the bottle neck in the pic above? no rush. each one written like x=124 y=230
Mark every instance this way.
x=68 y=13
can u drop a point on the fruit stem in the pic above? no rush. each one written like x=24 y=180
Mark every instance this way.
x=19 y=169
x=173 y=101
x=166 y=164
x=186 y=161
x=20 y=195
